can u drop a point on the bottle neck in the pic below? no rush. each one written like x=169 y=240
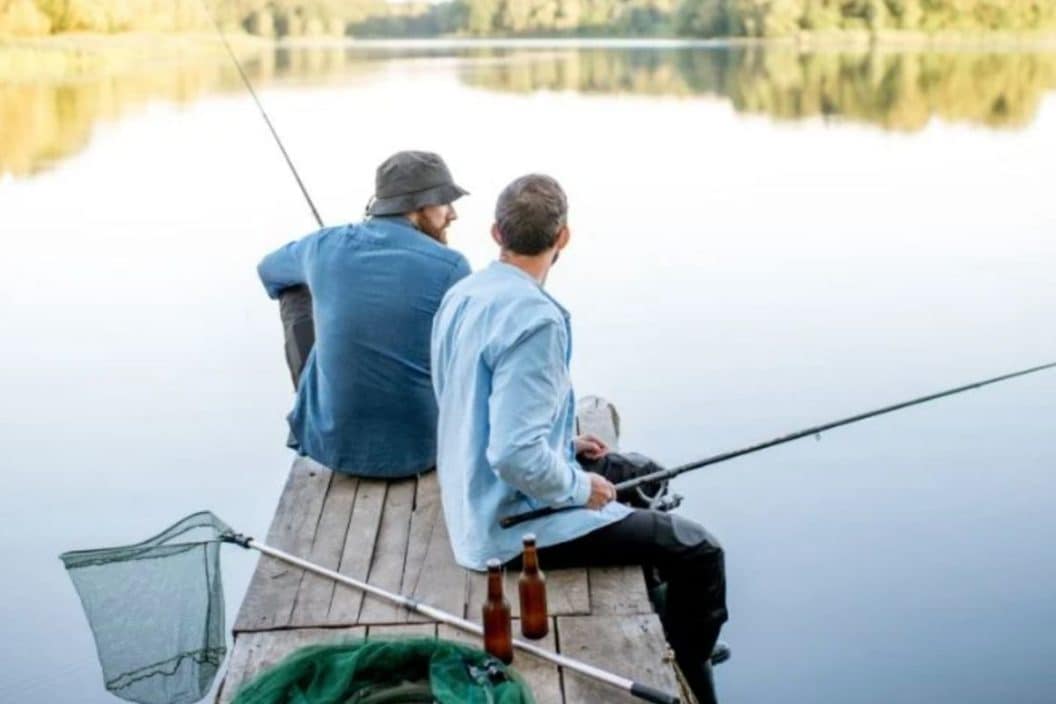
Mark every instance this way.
x=494 y=584
x=530 y=560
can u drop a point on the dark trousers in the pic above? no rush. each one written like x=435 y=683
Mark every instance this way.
x=688 y=559
x=298 y=328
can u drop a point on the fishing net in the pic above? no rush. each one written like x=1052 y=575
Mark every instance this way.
x=404 y=671
x=156 y=610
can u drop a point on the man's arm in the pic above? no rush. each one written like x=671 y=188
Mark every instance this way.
x=527 y=391
x=282 y=273
x=459 y=271
x=283 y=268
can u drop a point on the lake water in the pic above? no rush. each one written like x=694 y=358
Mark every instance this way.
x=762 y=241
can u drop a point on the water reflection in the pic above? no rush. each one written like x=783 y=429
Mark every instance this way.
x=42 y=122
x=894 y=90
x=45 y=121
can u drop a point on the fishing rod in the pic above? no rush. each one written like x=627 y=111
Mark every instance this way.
x=295 y=302
x=264 y=114
x=636 y=689
x=665 y=474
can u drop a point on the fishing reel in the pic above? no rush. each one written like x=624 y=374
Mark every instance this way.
x=664 y=500
x=626 y=466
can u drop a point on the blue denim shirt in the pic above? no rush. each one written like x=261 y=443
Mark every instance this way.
x=364 y=404
x=501 y=349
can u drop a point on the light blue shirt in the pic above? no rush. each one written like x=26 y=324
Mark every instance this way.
x=365 y=405
x=501 y=347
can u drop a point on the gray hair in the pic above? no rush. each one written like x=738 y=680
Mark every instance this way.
x=529 y=214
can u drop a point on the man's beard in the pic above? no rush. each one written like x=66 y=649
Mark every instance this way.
x=437 y=233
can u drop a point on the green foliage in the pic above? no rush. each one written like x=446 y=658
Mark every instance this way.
x=695 y=18
x=779 y=18
x=22 y=18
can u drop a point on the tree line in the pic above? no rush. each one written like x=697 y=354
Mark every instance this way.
x=488 y=18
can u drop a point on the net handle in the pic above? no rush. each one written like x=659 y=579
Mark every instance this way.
x=636 y=689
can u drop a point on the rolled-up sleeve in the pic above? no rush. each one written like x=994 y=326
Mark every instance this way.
x=283 y=268
x=529 y=384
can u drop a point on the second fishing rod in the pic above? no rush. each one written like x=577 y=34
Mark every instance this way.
x=666 y=474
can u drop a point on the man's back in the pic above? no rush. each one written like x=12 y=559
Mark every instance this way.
x=501 y=349
x=364 y=402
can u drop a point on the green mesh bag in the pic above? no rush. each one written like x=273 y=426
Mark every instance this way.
x=387 y=671
x=156 y=610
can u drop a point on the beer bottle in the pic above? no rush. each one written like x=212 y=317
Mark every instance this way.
x=498 y=635
x=532 y=586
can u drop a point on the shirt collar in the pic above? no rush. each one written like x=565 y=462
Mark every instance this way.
x=400 y=227
x=394 y=220
x=511 y=270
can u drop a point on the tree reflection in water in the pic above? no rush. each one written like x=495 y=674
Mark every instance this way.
x=43 y=121
x=893 y=90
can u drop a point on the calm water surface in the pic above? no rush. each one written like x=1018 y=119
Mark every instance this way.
x=762 y=241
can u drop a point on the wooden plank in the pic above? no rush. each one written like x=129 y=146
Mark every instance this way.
x=431 y=574
x=255 y=652
x=567 y=592
x=238 y=664
x=619 y=590
x=390 y=552
x=360 y=534
x=402 y=630
x=316 y=592
x=269 y=600
x=542 y=677
x=632 y=646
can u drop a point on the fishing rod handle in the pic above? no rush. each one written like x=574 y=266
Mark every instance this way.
x=518 y=518
x=511 y=521
x=644 y=691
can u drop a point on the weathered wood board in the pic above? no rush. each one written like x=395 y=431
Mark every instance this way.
x=633 y=645
x=393 y=535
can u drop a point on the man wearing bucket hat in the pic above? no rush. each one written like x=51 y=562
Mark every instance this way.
x=366 y=292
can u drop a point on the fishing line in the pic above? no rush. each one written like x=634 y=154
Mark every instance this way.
x=263 y=113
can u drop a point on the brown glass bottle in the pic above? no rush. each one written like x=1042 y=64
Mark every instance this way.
x=535 y=623
x=498 y=631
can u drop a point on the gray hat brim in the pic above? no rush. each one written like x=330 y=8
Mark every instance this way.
x=409 y=202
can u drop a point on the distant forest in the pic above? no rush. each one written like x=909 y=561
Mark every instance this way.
x=513 y=18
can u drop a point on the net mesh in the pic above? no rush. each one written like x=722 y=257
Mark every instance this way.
x=156 y=610
x=387 y=671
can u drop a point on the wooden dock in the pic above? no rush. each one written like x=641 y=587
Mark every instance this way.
x=392 y=534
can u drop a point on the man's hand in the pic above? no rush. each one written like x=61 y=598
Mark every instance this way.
x=601 y=491
x=591 y=446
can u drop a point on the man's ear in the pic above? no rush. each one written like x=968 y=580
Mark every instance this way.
x=496 y=235
x=563 y=236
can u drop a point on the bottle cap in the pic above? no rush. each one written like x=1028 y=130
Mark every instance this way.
x=494 y=564
x=529 y=538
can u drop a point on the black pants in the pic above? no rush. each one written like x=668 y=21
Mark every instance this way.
x=689 y=560
x=298 y=328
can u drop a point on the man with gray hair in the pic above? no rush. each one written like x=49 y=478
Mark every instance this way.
x=364 y=402
x=501 y=347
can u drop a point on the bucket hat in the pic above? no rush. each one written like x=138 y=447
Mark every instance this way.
x=410 y=180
